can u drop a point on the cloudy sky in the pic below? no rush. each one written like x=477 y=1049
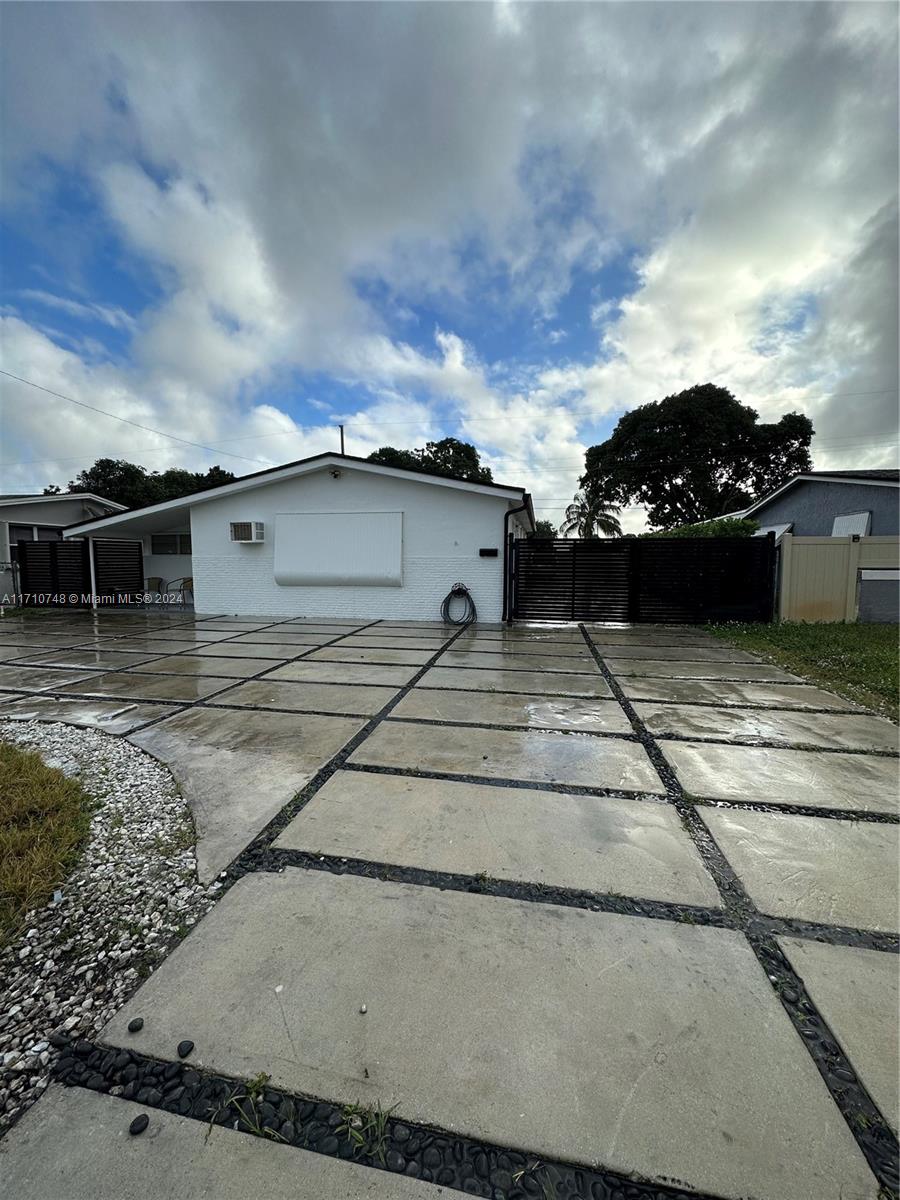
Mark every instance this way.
x=243 y=224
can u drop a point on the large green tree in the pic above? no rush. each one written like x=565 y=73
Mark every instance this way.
x=449 y=456
x=696 y=455
x=134 y=486
x=543 y=529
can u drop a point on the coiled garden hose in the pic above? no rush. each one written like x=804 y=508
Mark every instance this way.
x=459 y=591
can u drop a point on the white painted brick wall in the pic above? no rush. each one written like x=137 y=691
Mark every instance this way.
x=222 y=586
x=443 y=530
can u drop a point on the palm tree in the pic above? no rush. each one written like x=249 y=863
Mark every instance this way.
x=590 y=518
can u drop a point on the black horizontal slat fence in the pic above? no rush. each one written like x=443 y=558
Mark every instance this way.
x=642 y=579
x=51 y=573
x=58 y=574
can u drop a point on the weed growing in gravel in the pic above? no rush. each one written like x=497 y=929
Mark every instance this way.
x=366 y=1130
x=532 y=1171
x=44 y=821
x=182 y=838
x=244 y=1102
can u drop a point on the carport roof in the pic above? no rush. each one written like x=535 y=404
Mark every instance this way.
x=40 y=498
x=153 y=518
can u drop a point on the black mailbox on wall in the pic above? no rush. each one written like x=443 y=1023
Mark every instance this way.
x=487 y=552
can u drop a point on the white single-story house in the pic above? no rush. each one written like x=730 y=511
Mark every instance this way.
x=32 y=518
x=330 y=536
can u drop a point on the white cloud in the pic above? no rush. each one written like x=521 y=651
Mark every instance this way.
x=259 y=160
x=106 y=314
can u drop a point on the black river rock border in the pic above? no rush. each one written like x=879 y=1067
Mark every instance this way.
x=416 y=1151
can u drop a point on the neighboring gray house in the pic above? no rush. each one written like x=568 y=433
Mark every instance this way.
x=42 y=519
x=811 y=504
x=838 y=503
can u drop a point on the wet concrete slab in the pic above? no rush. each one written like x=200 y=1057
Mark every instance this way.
x=828 y=731
x=187 y=634
x=336 y=623
x=42 y=641
x=111 y=716
x=857 y=993
x=87 y=658
x=208 y=665
x=328 y=672
x=821 y=779
x=511 y=661
x=238 y=768
x=233 y=625
x=148 y=646
x=270 y=650
x=319 y=625
x=387 y=641
x=674 y=653
x=19 y=654
x=628 y=847
x=698 y=691
x=500 y=708
x=74 y=1145
x=415 y=627
x=533 y=683
x=516 y=633
x=286 y=637
x=520 y=1023
x=37 y=679
x=368 y=654
x=676 y=669
x=506 y=754
x=310 y=697
x=815 y=868
x=522 y=646
x=327 y=631
x=148 y=687
x=651 y=635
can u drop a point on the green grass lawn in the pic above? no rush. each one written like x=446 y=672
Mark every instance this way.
x=859 y=662
x=44 y=821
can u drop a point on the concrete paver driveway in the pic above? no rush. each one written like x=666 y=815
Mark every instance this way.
x=589 y=909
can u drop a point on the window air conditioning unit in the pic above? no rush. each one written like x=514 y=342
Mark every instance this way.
x=248 y=531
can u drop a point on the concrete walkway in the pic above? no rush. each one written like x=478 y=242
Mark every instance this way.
x=578 y=905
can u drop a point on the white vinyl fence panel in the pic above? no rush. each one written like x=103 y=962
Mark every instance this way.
x=819 y=576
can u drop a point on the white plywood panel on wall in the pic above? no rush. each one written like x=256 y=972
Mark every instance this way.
x=333 y=549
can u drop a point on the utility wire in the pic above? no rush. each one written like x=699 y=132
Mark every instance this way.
x=567 y=412
x=126 y=421
x=563 y=464
x=853 y=441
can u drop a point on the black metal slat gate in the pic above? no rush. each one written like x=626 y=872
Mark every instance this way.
x=118 y=570
x=642 y=579
x=58 y=574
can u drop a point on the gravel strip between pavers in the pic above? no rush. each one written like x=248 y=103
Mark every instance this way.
x=133 y=892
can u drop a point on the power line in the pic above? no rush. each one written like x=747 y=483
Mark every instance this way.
x=567 y=412
x=554 y=466
x=853 y=441
x=593 y=413
x=126 y=421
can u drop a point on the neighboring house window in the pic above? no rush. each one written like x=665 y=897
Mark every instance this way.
x=31 y=533
x=170 y=543
x=847 y=524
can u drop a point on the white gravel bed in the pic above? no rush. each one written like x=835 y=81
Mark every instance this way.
x=133 y=892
